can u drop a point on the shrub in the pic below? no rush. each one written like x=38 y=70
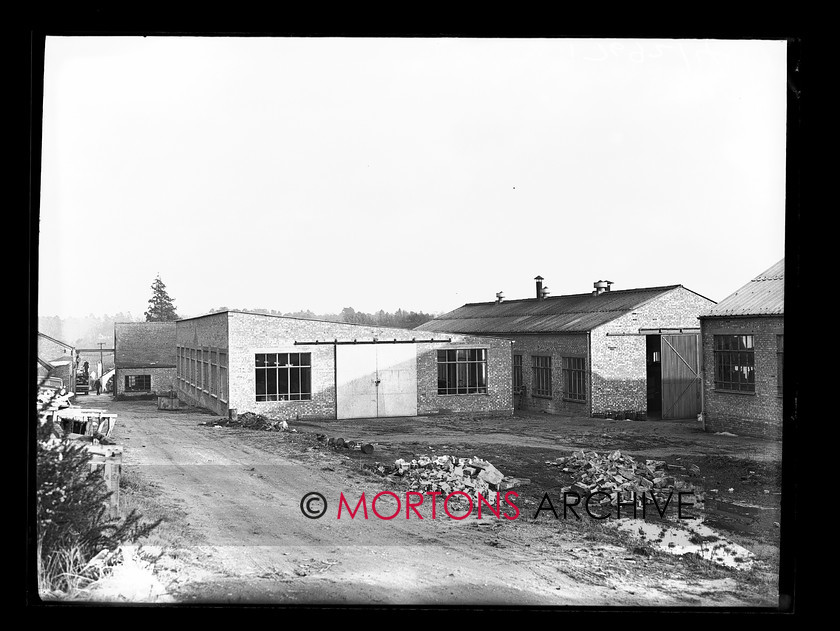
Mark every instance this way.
x=71 y=509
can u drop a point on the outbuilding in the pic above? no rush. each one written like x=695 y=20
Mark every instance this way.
x=144 y=358
x=743 y=349
x=296 y=368
x=621 y=353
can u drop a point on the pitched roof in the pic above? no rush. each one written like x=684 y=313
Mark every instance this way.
x=763 y=295
x=576 y=313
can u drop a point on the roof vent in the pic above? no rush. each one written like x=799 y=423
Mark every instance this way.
x=601 y=286
x=542 y=292
x=499 y=297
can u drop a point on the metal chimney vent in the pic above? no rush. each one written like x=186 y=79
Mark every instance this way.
x=601 y=286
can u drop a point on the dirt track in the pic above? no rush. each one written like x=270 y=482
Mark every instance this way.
x=236 y=507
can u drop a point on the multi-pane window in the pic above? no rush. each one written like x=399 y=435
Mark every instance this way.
x=780 y=362
x=223 y=384
x=574 y=378
x=462 y=371
x=734 y=363
x=283 y=376
x=138 y=383
x=214 y=373
x=517 y=373
x=541 y=376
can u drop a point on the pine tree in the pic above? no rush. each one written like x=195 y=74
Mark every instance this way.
x=161 y=308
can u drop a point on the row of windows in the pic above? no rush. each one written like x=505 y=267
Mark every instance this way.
x=288 y=376
x=573 y=372
x=735 y=363
x=202 y=369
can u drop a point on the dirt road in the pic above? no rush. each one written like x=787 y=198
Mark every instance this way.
x=234 y=509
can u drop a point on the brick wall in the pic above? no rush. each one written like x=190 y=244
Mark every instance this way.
x=249 y=334
x=749 y=414
x=144 y=344
x=557 y=347
x=207 y=333
x=619 y=374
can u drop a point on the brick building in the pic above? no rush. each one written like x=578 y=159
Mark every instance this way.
x=144 y=358
x=294 y=368
x=743 y=350
x=631 y=352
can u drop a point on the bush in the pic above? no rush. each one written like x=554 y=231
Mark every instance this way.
x=71 y=509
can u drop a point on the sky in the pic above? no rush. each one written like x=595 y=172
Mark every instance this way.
x=422 y=174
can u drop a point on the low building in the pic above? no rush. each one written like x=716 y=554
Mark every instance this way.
x=57 y=362
x=294 y=368
x=632 y=352
x=144 y=358
x=743 y=350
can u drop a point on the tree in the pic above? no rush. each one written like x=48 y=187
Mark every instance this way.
x=161 y=308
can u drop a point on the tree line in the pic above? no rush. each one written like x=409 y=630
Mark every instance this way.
x=399 y=319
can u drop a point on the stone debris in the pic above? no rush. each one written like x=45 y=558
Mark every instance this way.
x=621 y=475
x=448 y=474
x=250 y=420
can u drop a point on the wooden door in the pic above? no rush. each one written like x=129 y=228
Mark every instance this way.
x=680 y=376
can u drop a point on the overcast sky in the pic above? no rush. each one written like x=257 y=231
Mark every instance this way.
x=422 y=174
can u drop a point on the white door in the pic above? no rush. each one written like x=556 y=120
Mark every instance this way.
x=376 y=380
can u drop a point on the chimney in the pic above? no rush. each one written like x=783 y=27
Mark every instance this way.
x=499 y=297
x=542 y=292
x=601 y=286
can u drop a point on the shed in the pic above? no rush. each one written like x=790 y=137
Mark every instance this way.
x=292 y=368
x=743 y=349
x=632 y=352
x=144 y=358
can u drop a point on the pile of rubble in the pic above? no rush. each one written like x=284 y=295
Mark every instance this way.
x=250 y=420
x=448 y=474
x=621 y=475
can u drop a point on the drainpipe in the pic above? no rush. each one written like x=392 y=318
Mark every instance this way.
x=702 y=372
x=589 y=371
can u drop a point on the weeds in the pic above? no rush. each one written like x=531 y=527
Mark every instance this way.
x=71 y=515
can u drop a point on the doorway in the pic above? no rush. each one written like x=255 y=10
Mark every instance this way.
x=376 y=380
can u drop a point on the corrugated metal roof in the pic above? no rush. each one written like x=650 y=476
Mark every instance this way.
x=763 y=295
x=557 y=314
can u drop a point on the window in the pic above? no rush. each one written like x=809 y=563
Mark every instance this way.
x=574 y=378
x=223 y=384
x=517 y=373
x=462 y=371
x=734 y=363
x=214 y=373
x=283 y=376
x=780 y=362
x=541 y=373
x=138 y=383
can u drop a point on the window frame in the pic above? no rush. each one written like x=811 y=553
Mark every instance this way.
x=544 y=374
x=467 y=365
x=518 y=375
x=304 y=367
x=737 y=358
x=135 y=378
x=574 y=376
